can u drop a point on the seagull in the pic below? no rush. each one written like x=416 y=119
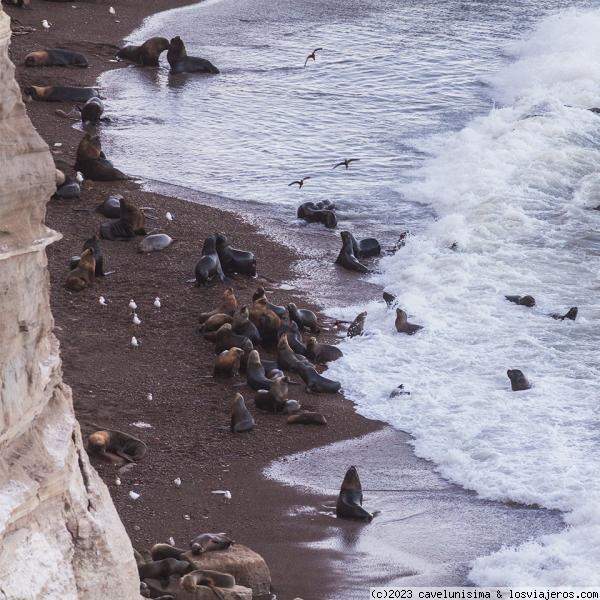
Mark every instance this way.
x=346 y=162
x=299 y=183
x=103 y=301
x=177 y=482
x=133 y=495
x=157 y=302
x=118 y=481
x=134 y=342
x=225 y=493
x=136 y=319
x=171 y=541
x=312 y=55
x=79 y=177
x=149 y=397
x=45 y=25
x=112 y=11
x=169 y=217
x=132 y=305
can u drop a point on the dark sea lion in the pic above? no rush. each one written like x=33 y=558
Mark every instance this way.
x=92 y=162
x=280 y=311
x=227 y=363
x=131 y=222
x=528 y=301
x=350 y=499
x=18 y=3
x=402 y=324
x=307 y=418
x=518 y=381
x=255 y=373
x=346 y=257
x=399 y=391
x=228 y=306
x=365 y=248
x=147 y=54
x=182 y=63
x=325 y=205
x=116 y=446
x=304 y=318
x=242 y=325
x=155 y=242
x=226 y=339
x=271 y=368
x=275 y=398
x=358 y=325
x=241 y=419
x=210 y=327
x=571 y=314
x=163 y=569
x=389 y=299
x=209 y=265
x=310 y=213
x=288 y=359
x=55 y=57
x=57 y=93
x=317 y=383
x=161 y=551
x=111 y=207
x=83 y=274
x=68 y=190
x=209 y=579
x=233 y=260
x=210 y=542
x=91 y=112
x=322 y=353
x=98 y=256
x=294 y=337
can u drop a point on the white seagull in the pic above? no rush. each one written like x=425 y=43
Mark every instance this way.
x=103 y=301
x=45 y=25
x=171 y=541
x=149 y=397
x=132 y=305
x=157 y=302
x=79 y=177
x=136 y=319
x=169 y=217
x=112 y=11
x=177 y=482
x=134 y=342
x=225 y=493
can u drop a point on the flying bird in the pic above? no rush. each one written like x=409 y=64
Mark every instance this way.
x=346 y=162
x=312 y=55
x=299 y=183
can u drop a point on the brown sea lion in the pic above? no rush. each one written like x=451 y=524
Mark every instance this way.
x=233 y=260
x=161 y=551
x=241 y=419
x=228 y=306
x=180 y=62
x=350 y=499
x=210 y=579
x=402 y=324
x=571 y=314
x=307 y=418
x=210 y=327
x=226 y=339
x=210 y=542
x=98 y=255
x=147 y=54
x=346 y=258
x=358 y=325
x=528 y=301
x=266 y=321
x=209 y=265
x=310 y=212
x=322 y=353
x=130 y=223
x=242 y=325
x=82 y=275
x=116 y=446
x=273 y=399
x=255 y=373
x=518 y=381
x=304 y=318
x=57 y=93
x=227 y=363
x=92 y=162
x=287 y=358
x=55 y=57
x=280 y=311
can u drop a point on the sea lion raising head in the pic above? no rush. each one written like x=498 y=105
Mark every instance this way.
x=357 y=326
x=182 y=63
x=350 y=499
x=210 y=542
x=241 y=419
x=402 y=324
x=518 y=381
x=83 y=274
x=147 y=54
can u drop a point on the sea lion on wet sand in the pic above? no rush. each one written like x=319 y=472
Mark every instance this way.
x=358 y=325
x=242 y=325
x=310 y=213
x=182 y=63
x=57 y=93
x=227 y=363
x=307 y=418
x=161 y=551
x=294 y=337
x=92 y=162
x=287 y=358
x=147 y=54
x=570 y=315
x=83 y=274
x=209 y=579
x=315 y=382
x=402 y=324
x=163 y=569
x=518 y=381
x=233 y=260
x=209 y=265
x=210 y=542
x=528 y=301
x=130 y=223
x=116 y=446
x=346 y=257
x=273 y=399
x=255 y=373
x=350 y=499
x=322 y=353
x=365 y=248
x=91 y=112
x=155 y=242
x=228 y=306
x=304 y=318
x=226 y=339
x=55 y=57
x=111 y=207
x=241 y=419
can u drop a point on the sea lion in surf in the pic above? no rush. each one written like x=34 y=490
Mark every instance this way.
x=570 y=315
x=402 y=324
x=322 y=353
x=241 y=419
x=389 y=299
x=83 y=274
x=180 y=62
x=92 y=162
x=242 y=325
x=274 y=399
x=518 y=381
x=92 y=111
x=209 y=579
x=162 y=551
x=234 y=260
x=528 y=301
x=357 y=326
x=227 y=363
x=294 y=337
x=350 y=499
x=155 y=242
x=346 y=257
x=147 y=54
x=304 y=318
x=280 y=311
x=131 y=223
x=209 y=265
x=55 y=57
x=116 y=446
x=228 y=306
x=366 y=247
x=307 y=418
x=311 y=214
x=315 y=382
x=210 y=542
x=57 y=93
x=111 y=207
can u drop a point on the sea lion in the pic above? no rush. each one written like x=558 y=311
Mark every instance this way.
x=98 y=256
x=82 y=275
x=116 y=446
x=346 y=257
x=350 y=499
x=304 y=318
x=322 y=353
x=294 y=337
x=18 y=3
x=155 y=242
x=68 y=190
x=210 y=327
x=311 y=214
x=182 y=63
x=209 y=265
x=307 y=418
x=399 y=391
x=147 y=54
x=287 y=358
x=528 y=301
x=130 y=223
x=389 y=299
x=210 y=542
x=241 y=419
x=57 y=93
x=228 y=306
x=266 y=321
x=255 y=373
x=275 y=398
x=518 y=381
x=55 y=57
x=226 y=339
x=92 y=162
x=402 y=324
x=365 y=248
x=161 y=551
x=233 y=260
x=317 y=383
x=280 y=311
x=227 y=363
x=91 y=112
x=357 y=326
x=111 y=207
x=209 y=579
x=242 y=325
x=163 y=569
x=571 y=315
x=325 y=205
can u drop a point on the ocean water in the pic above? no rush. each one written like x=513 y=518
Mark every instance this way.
x=471 y=124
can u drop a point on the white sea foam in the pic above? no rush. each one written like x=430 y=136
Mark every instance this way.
x=515 y=190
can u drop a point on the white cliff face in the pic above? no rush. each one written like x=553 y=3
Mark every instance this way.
x=60 y=536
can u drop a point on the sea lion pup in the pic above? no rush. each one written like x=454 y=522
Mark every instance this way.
x=161 y=551
x=571 y=315
x=280 y=311
x=91 y=112
x=346 y=257
x=322 y=353
x=92 y=162
x=182 y=63
x=311 y=214
x=528 y=301
x=233 y=260
x=111 y=207
x=57 y=93
x=210 y=579
x=294 y=337
x=163 y=569
x=227 y=363
x=266 y=321
x=226 y=339
x=402 y=324
x=242 y=325
x=518 y=381
x=366 y=247
x=116 y=446
x=155 y=242
x=210 y=542
x=147 y=54
x=307 y=418
x=228 y=306
x=55 y=57
x=98 y=256
x=274 y=399
x=287 y=358
x=130 y=223
x=82 y=275
x=209 y=265
x=315 y=382
x=303 y=317
x=350 y=499
x=255 y=373
x=389 y=299
x=241 y=419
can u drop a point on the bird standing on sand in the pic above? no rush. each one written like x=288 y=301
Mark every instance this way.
x=299 y=183
x=136 y=319
x=102 y=300
x=312 y=55
x=346 y=162
x=134 y=342
x=169 y=217
x=157 y=302
x=45 y=25
x=79 y=177
x=132 y=305
x=112 y=11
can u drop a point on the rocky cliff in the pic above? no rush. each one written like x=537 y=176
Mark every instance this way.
x=60 y=536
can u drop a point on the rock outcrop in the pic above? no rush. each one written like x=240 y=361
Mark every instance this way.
x=60 y=536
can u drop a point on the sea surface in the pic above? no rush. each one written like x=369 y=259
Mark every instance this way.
x=471 y=125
